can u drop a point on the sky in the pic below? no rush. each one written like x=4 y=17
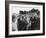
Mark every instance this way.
x=16 y=8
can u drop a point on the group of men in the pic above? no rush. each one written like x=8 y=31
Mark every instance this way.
x=28 y=23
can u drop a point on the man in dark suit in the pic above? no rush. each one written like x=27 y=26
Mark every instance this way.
x=22 y=24
x=35 y=24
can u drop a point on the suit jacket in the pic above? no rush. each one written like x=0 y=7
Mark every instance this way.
x=36 y=24
x=21 y=25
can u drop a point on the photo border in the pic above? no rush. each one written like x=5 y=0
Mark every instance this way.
x=7 y=18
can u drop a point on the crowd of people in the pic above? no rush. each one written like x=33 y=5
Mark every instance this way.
x=28 y=21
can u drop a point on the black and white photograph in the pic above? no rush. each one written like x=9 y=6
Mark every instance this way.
x=25 y=18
